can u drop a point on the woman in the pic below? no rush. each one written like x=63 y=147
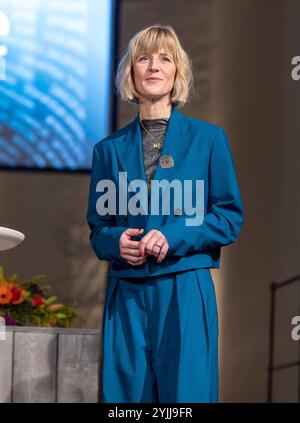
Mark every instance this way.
x=160 y=321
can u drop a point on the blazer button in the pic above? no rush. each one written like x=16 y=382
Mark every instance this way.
x=177 y=212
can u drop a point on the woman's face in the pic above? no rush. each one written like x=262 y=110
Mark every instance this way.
x=154 y=74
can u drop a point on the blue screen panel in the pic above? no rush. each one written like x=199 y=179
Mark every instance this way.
x=55 y=81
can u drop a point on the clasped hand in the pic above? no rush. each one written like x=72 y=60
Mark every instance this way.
x=136 y=252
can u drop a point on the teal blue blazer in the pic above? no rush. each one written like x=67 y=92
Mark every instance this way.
x=199 y=150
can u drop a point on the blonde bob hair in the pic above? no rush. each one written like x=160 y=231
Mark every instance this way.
x=150 y=40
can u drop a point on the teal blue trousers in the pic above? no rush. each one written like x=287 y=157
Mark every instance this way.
x=160 y=339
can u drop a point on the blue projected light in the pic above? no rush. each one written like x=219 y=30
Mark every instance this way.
x=55 y=81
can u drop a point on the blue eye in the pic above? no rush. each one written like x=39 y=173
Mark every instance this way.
x=143 y=58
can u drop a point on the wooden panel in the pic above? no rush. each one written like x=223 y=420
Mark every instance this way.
x=34 y=378
x=78 y=364
x=6 y=353
x=29 y=366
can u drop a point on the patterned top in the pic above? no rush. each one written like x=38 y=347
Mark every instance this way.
x=151 y=155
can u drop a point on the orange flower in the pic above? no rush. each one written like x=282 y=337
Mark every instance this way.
x=6 y=283
x=5 y=294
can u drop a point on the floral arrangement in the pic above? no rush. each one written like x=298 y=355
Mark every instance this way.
x=27 y=303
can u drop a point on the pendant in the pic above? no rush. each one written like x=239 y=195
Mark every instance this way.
x=156 y=145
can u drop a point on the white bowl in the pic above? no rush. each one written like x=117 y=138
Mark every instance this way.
x=9 y=238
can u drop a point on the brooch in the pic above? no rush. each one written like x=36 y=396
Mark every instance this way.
x=166 y=161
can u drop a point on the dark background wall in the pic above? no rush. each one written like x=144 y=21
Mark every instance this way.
x=241 y=52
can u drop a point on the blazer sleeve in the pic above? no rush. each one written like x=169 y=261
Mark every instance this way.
x=104 y=235
x=225 y=216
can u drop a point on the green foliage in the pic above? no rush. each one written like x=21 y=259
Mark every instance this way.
x=26 y=303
